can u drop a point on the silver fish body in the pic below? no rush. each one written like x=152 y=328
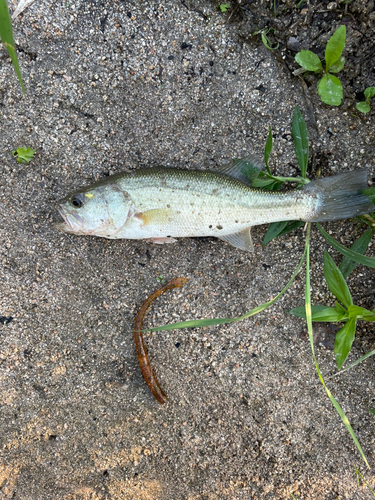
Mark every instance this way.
x=164 y=203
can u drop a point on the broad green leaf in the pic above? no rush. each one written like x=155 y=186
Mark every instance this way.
x=339 y=308
x=335 y=46
x=274 y=229
x=360 y=246
x=311 y=338
x=265 y=183
x=291 y=226
x=224 y=7
x=330 y=90
x=319 y=313
x=343 y=341
x=268 y=149
x=6 y=35
x=363 y=107
x=309 y=61
x=338 y=65
x=361 y=313
x=372 y=411
x=357 y=257
x=301 y=140
x=369 y=92
x=336 y=282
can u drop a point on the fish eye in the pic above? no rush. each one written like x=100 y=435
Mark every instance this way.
x=77 y=200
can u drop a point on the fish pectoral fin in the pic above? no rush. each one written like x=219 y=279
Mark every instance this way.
x=245 y=170
x=241 y=240
x=154 y=216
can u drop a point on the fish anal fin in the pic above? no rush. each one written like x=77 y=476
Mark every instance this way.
x=161 y=241
x=241 y=240
x=245 y=169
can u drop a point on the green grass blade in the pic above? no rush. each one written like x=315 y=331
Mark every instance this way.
x=310 y=330
x=6 y=35
x=359 y=360
x=301 y=140
x=336 y=282
x=363 y=479
x=267 y=150
x=357 y=257
x=359 y=246
x=222 y=321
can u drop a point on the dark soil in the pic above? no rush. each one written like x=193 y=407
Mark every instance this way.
x=309 y=27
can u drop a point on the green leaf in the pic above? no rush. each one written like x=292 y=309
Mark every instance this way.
x=336 y=282
x=357 y=257
x=372 y=411
x=338 y=65
x=269 y=184
x=301 y=140
x=330 y=90
x=224 y=7
x=361 y=313
x=360 y=246
x=274 y=229
x=291 y=226
x=369 y=92
x=268 y=149
x=309 y=61
x=24 y=155
x=363 y=107
x=6 y=35
x=335 y=46
x=339 y=308
x=343 y=341
x=319 y=313
x=371 y=193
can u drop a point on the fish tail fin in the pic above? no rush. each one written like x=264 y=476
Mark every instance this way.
x=341 y=196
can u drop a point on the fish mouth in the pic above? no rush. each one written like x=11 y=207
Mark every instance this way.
x=71 y=221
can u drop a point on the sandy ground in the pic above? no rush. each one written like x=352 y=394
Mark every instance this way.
x=113 y=86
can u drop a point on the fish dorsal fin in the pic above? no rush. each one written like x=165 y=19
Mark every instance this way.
x=241 y=240
x=245 y=169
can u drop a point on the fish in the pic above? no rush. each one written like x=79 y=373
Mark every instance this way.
x=160 y=204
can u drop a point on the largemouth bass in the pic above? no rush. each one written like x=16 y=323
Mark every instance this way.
x=161 y=204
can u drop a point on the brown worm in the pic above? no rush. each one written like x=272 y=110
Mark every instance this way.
x=144 y=362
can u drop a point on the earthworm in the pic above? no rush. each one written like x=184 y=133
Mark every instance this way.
x=144 y=362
